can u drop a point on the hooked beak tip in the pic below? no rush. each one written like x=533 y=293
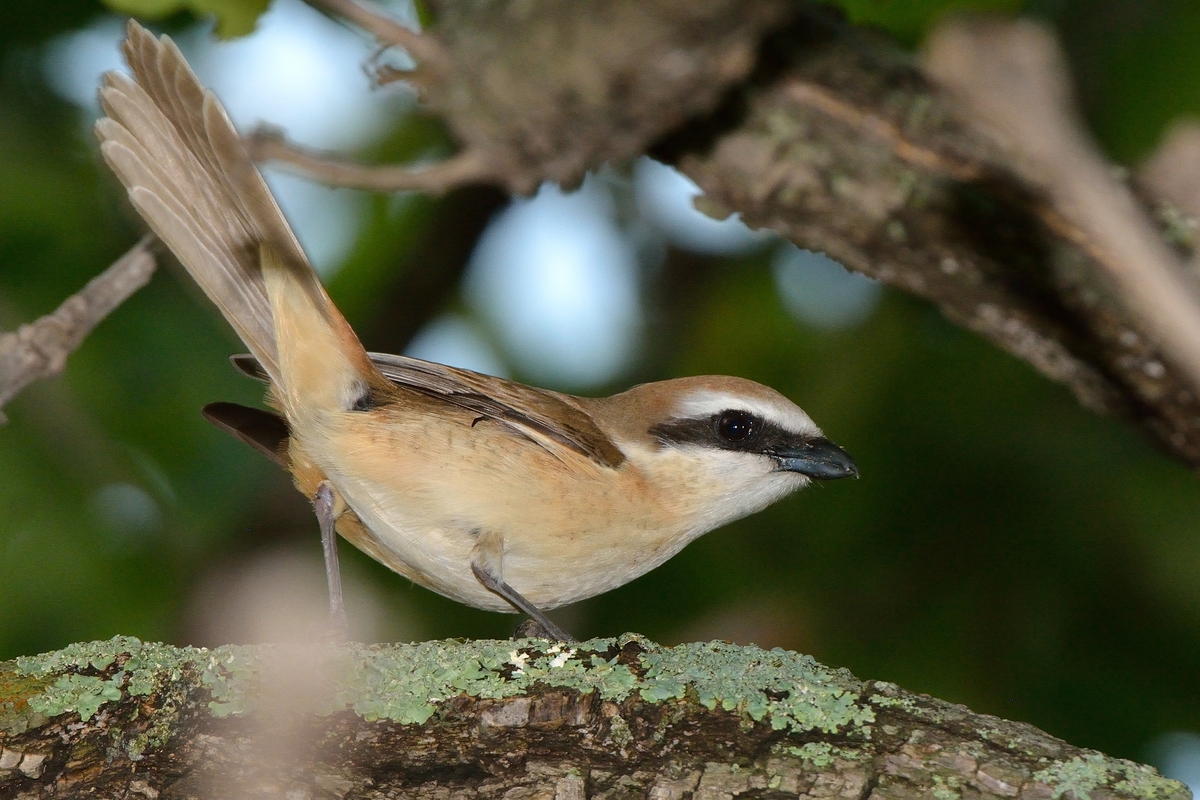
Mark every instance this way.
x=820 y=459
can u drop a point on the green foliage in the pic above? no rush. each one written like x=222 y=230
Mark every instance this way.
x=908 y=20
x=234 y=17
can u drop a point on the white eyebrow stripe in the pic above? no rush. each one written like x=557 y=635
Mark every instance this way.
x=705 y=404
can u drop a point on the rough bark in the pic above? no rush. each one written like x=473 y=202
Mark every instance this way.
x=607 y=718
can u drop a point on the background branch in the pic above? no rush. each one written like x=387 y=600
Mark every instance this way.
x=269 y=145
x=1011 y=79
x=845 y=147
x=40 y=349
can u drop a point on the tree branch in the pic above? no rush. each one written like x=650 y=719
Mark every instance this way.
x=267 y=144
x=539 y=92
x=391 y=33
x=1011 y=80
x=40 y=349
x=846 y=148
x=511 y=719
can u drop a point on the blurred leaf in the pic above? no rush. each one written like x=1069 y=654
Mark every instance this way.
x=234 y=17
x=27 y=22
x=907 y=20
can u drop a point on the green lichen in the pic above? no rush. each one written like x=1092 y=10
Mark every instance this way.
x=1177 y=227
x=1143 y=781
x=227 y=673
x=406 y=682
x=887 y=697
x=1084 y=774
x=819 y=754
x=15 y=690
x=618 y=731
x=946 y=788
x=82 y=693
x=145 y=669
x=786 y=689
x=1080 y=776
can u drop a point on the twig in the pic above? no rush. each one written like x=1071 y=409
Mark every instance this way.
x=1010 y=78
x=40 y=349
x=390 y=32
x=268 y=144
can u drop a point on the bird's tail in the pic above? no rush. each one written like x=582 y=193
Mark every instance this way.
x=190 y=176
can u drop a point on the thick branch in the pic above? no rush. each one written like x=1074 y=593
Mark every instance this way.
x=544 y=91
x=847 y=149
x=1010 y=78
x=40 y=349
x=511 y=719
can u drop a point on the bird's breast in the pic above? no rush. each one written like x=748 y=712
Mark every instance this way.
x=426 y=490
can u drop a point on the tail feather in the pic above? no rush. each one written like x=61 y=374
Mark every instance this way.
x=189 y=174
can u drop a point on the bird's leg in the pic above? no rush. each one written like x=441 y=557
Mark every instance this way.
x=325 y=504
x=487 y=561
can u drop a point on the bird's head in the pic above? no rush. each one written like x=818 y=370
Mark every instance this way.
x=719 y=448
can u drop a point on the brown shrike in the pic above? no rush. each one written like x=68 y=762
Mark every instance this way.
x=498 y=495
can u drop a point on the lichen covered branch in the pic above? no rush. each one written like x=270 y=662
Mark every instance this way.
x=511 y=719
x=40 y=349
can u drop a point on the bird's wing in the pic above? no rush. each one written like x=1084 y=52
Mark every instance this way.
x=545 y=413
x=541 y=415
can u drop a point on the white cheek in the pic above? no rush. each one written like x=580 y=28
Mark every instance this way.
x=739 y=485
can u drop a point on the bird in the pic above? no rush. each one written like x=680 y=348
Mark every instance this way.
x=495 y=494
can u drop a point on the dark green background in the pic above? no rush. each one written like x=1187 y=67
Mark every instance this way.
x=1004 y=548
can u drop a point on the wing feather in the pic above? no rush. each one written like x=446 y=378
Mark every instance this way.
x=538 y=411
x=538 y=414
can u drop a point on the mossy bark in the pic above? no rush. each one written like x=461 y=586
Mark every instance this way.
x=607 y=718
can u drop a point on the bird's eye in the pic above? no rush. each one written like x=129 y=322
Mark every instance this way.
x=736 y=426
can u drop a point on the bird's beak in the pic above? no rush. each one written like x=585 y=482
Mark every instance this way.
x=819 y=459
